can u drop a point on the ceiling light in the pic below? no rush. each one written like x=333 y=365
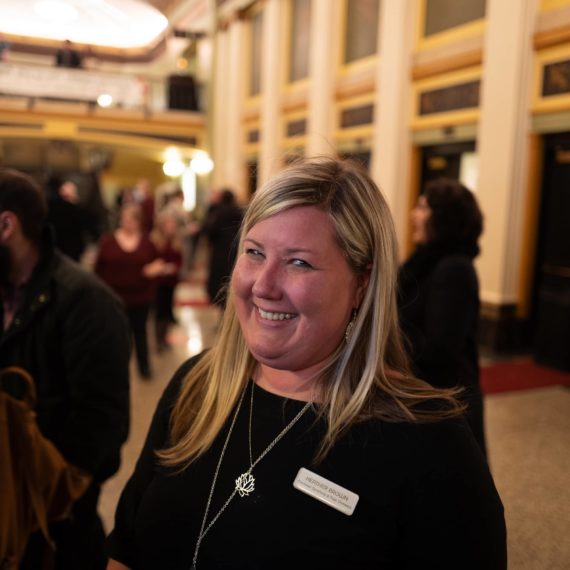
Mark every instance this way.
x=173 y=168
x=88 y=22
x=104 y=100
x=56 y=11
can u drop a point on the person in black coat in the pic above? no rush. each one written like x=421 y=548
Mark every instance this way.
x=69 y=331
x=221 y=227
x=73 y=225
x=439 y=294
x=68 y=56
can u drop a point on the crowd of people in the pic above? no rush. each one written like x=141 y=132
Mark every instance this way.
x=342 y=388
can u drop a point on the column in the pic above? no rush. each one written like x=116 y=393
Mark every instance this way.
x=391 y=144
x=271 y=80
x=321 y=75
x=234 y=163
x=502 y=143
x=220 y=117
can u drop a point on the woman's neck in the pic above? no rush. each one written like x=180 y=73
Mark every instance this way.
x=288 y=384
x=128 y=240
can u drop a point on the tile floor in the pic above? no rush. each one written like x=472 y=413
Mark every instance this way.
x=528 y=437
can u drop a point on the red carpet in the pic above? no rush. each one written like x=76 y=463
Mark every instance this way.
x=520 y=375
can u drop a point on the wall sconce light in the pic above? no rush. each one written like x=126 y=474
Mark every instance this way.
x=202 y=164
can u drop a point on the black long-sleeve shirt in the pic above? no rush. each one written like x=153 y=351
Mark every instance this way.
x=426 y=498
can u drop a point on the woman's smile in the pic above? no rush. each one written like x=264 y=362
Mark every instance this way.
x=275 y=315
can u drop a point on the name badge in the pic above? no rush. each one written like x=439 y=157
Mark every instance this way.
x=326 y=491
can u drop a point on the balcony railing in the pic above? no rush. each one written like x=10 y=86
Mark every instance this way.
x=130 y=92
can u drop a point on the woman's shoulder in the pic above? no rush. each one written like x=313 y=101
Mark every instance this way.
x=421 y=446
x=174 y=386
x=456 y=268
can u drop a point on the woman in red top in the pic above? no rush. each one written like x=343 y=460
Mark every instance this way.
x=127 y=261
x=168 y=244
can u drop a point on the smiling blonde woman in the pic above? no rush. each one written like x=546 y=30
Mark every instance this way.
x=301 y=439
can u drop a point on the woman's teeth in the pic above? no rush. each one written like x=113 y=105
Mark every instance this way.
x=275 y=316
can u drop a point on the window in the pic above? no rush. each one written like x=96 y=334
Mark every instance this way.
x=361 y=36
x=255 y=59
x=300 y=39
x=442 y=15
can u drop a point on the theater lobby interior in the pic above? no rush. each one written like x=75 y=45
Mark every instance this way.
x=212 y=94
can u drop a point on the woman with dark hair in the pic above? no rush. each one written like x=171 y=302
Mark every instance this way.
x=439 y=294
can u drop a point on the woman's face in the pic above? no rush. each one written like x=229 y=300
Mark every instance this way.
x=129 y=220
x=169 y=226
x=294 y=290
x=419 y=218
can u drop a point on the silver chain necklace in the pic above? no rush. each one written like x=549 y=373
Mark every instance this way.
x=245 y=483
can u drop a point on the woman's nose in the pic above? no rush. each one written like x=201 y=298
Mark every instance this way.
x=267 y=283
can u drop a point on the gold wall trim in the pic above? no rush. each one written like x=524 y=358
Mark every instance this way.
x=445 y=134
x=453 y=63
x=551 y=103
x=551 y=122
x=549 y=38
x=151 y=134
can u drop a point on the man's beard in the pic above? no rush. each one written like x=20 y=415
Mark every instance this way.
x=5 y=266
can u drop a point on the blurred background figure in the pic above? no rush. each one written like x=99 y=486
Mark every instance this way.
x=67 y=56
x=142 y=195
x=439 y=293
x=166 y=239
x=221 y=227
x=69 y=331
x=73 y=225
x=4 y=48
x=188 y=228
x=127 y=261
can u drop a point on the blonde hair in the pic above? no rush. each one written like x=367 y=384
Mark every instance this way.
x=366 y=377
x=158 y=236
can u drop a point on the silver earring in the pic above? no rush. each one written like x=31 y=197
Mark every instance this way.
x=350 y=326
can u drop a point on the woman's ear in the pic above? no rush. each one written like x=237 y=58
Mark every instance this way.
x=8 y=222
x=362 y=280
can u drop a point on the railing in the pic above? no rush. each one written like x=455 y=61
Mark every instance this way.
x=82 y=85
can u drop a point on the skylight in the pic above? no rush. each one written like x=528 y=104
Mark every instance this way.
x=110 y=23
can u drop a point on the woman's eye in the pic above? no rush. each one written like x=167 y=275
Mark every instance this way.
x=300 y=263
x=252 y=252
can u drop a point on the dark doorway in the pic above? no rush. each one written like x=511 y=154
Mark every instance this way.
x=252 y=168
x=444 y=161
x=550 y=313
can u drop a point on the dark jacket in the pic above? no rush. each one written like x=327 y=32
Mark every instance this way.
x=439 y=312
x=73 y=227
x=71 y=334
x=222 y=229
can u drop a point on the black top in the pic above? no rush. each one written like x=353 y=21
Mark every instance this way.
x=439 y=309
x=221 y=227
x=439 y=314
x=427 y=499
